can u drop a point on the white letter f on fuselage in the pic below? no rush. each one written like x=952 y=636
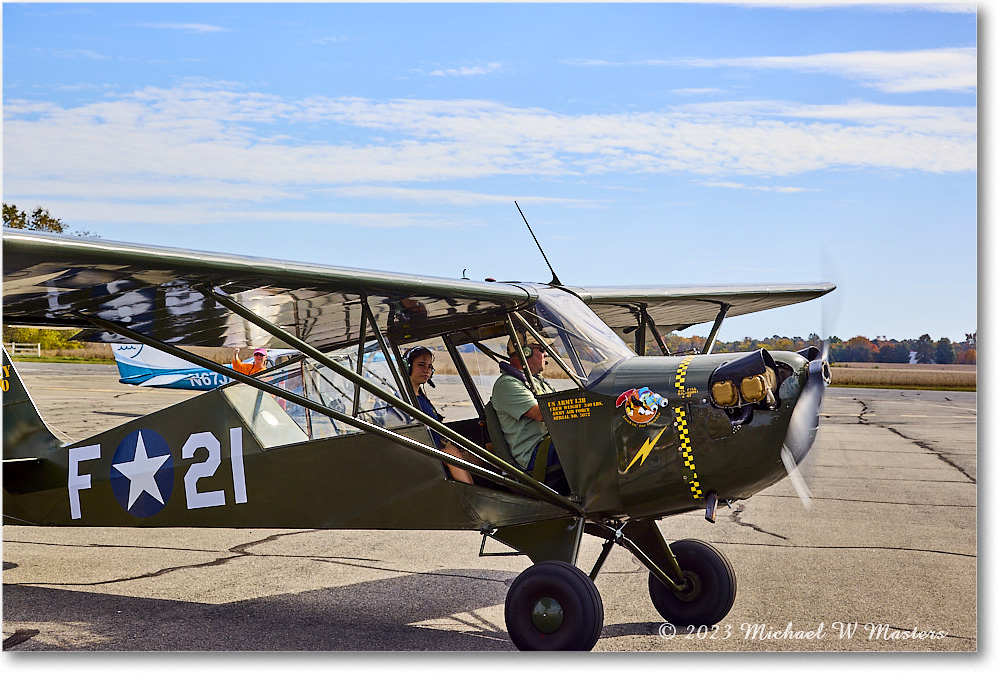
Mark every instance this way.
x=77 y=481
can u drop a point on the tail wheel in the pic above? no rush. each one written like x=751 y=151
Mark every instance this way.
x=710 y=586
x=554 y=606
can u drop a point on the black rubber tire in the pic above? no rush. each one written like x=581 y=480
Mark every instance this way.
x=714 y=586
x=583 y=610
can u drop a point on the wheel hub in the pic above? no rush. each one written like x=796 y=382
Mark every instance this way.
x=692 y=587
x=547 y=615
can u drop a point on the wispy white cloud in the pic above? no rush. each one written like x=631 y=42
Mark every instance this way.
x=80 y=54
x=757 y=188
x=187 y=27
x=696 y=91
x=215 y=143
x=466 y=71
x=454 y=197
x=922 y=70
x=951 y=69
x=196 y=213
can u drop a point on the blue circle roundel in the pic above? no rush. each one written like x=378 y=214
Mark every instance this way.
x=142 y=473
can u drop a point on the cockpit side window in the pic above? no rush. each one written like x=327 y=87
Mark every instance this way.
x=445 y=389
x=482 y=357
x=278 y=421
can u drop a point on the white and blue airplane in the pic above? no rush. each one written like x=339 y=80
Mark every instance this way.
x=144 y=366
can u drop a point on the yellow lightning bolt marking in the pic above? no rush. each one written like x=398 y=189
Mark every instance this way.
x=644 y=451
x=647 y=447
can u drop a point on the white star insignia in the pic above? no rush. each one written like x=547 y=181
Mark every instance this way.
x=141 y=473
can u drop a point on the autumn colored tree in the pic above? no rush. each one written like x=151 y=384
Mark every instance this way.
x=40 y=219
x=968 y=357
x=860 y=349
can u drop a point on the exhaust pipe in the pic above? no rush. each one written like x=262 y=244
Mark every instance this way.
x=713 y=503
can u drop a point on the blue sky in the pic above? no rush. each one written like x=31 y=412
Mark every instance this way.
x=646 y=144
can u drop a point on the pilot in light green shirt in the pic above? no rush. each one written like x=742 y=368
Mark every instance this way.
x=515 y=404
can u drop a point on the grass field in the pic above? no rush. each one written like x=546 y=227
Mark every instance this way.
x=905 y=376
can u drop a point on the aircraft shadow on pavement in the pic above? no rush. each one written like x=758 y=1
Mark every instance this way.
x=372 y=615
x=367 y=616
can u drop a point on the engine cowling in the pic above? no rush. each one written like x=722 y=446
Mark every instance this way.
x=680 y=427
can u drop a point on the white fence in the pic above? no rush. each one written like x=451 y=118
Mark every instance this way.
x=23 y=348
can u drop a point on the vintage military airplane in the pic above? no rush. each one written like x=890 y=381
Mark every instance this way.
x=308 y=444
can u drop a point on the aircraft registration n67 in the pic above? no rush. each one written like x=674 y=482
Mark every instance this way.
x=144 y=366
x=339 y=426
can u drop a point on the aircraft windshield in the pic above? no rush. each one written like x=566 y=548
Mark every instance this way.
x=584 y=342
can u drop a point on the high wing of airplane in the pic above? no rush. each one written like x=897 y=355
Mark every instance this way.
x=145 y=366
x=337 y=439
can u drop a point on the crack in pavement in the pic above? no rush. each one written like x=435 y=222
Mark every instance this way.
x=864 y=411
x=239 y=551
x=181 y=549
x=920 y=444
x=926 y=446
x=739 y=508
x=849 y=548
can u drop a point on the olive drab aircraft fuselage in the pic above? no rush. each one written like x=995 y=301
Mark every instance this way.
x=334 y=437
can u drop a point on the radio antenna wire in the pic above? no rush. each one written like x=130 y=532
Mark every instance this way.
x=555 y=279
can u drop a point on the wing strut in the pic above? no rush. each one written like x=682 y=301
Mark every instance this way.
x=362 y=338
x=547 y=494
x=710 y=342
x=393 y=367
x=294 y=342
x=646 y=321
x=520 y=350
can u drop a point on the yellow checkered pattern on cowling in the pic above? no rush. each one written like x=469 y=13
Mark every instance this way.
x=682 y=431
x=681 y=374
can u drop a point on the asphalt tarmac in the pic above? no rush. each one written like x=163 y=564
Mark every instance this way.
x=885 y=558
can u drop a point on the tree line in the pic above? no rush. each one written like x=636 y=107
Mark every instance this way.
x=858 y=349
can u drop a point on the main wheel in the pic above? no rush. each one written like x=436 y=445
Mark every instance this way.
x=710 y=586
x=554 y=606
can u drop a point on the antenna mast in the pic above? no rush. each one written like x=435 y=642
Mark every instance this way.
x=555 y=280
